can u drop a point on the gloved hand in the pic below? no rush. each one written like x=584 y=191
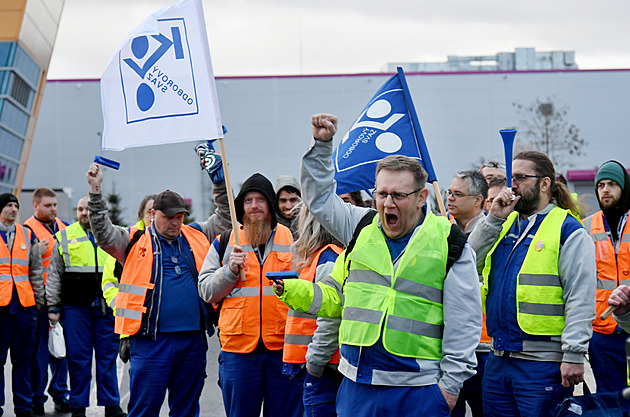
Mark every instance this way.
x=210 y=161
x=124 y=351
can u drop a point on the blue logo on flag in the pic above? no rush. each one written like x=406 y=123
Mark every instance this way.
x=383 y=128
x=157 y=75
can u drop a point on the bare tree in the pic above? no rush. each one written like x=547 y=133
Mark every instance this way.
x=546 y=129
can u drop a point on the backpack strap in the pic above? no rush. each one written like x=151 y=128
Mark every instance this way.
x=456 y=242
x=223 y=243
x=118 y=268
x=365 y=220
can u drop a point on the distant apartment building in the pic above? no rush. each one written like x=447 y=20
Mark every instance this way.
x=522 y=59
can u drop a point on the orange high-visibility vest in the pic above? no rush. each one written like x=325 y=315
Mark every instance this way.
x=251 y=310
x=43 y=233
x=137 y=274
x=301 y=326
x=612 y=269
x=14 y=268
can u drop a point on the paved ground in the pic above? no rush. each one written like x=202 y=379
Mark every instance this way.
x=211 y=401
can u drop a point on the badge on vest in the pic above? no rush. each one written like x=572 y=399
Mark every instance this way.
x=539 y=245
x=22 y=246
x=73 y=241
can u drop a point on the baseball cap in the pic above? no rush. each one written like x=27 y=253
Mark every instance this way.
x=170 y=203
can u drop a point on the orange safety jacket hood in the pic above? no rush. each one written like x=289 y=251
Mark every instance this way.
x=252 y=311
x=612 y=269
x=43 y=233
x=139 y=275
x=301 y=326
x=14 y=269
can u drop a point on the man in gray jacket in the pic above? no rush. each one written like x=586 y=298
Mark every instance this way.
x=383 y=377
x=538 y=265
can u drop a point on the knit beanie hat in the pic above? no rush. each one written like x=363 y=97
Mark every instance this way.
x=611 y=170
x=260 y=183
x=7 y=198
x=287 y=181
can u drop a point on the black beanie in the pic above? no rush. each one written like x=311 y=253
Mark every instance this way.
x=7 y=198
x=260 y=183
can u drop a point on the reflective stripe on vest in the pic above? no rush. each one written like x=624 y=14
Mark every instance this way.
x=406 y=302
x=43 y=233
x=539 y=294
x=137 y=277
x=14 y=268
x=77 y=251
x=301 y=326
x=251 y=307
x=613 y=269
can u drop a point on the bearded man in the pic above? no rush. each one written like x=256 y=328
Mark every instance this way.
x=538 y=267
x=252 y=320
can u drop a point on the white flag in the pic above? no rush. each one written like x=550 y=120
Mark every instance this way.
x=159 y=86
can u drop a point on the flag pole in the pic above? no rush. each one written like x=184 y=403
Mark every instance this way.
x=230 y=194
x=424 y=152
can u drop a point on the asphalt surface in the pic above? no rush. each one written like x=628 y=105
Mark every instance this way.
x=211 y=402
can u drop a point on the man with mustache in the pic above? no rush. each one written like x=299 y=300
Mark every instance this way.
x=538 y=266
x=252 y=320
x=610 y=230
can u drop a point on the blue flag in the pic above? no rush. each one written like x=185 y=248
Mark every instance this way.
x=387 y=126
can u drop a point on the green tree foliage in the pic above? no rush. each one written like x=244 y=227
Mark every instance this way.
x=115 y=212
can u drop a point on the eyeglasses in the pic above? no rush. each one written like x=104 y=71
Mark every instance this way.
x=492 y=164
x=457 y=194
x=396 y=196
x=519 y=178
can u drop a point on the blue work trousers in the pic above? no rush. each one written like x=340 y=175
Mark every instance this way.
x=17 y=331
x=521 y=388
x=251 y=381
x=319 y=394
x=471 y=392
x=362 y=400
x=175 y=362
x=607 y=355
x=90 y=331
x=58 y=388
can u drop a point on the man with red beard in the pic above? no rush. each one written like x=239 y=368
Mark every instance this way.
x=539 y=291
x=252 y=320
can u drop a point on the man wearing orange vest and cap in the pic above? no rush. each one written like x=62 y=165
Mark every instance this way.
x=610 y=231
x=21 y=294
x=158 y=303
x=45 y=223
x=252 y=320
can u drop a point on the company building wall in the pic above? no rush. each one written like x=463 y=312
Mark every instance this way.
x=268 y=122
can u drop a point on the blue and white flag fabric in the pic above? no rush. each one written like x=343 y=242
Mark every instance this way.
x=387 y=126
x=159 y=85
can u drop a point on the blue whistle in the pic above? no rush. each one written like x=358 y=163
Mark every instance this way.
x=106 y=162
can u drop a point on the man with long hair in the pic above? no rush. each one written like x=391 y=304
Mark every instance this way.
x=311 y=344
x=538 y=266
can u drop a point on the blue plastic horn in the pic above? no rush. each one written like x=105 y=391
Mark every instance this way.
x=508 y=145
x=106 y=162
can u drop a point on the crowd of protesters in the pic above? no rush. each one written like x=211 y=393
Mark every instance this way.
x=495 y=305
